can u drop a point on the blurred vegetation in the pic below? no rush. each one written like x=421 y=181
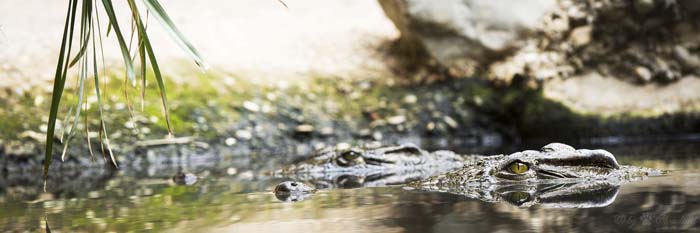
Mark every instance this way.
x=90 y=36
x=223 y=105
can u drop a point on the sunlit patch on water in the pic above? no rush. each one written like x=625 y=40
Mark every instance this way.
x=221 y=203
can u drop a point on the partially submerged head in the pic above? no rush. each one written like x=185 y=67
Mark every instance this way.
x=293 y=191
x=556 y=174
x=331 y=159
x=553 y=161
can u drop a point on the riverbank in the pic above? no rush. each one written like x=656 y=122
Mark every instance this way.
x=280 y=103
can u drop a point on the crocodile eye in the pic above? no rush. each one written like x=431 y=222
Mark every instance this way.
x=350 y=155
x=348 y=158
x=518 y=167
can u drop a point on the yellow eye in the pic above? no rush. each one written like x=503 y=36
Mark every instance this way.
x=517 y=167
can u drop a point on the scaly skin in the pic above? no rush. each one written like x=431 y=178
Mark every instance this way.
x=369 y=167
x=557 y=176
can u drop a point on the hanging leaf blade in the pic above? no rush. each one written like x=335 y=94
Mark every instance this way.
x=159 y=13
x=120 y=38
x=59 y=84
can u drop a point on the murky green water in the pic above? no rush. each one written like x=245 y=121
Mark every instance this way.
x=241 y=201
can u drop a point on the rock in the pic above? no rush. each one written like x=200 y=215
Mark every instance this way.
x=39 y=100
x=145 y=130
x=39 y=137
x=377 y=135
x=688 y=61
x=304 y=128
x=230 y=141
x=373 y=145
x=319 y=146
x=410 y=99
x=244 y=134
x=364 y=132
x=20 y=148
x=377 y=123
x=231 y=171
x=581 y=36
x=281 y=126
x=342 y=146
x=478 y=101
x=451 y=122
x=94 y=194
x=643 y=73
x=130 y=125
x=667 y=76
x=327 y=131
x=463 y=35
x=605 y=95
x=250 y=106
x=395 y=120
x=303 y=149
x=267 y=108
x=246 y=175
x=430 y=126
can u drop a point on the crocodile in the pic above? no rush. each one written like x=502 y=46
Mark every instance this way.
x=370 y=166
x=556 y=176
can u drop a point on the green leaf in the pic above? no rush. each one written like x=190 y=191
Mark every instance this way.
x=80 y=92
x=160 y=14
x=284 y=4
x=96 y=75
x=58 y=85
x=141 y=52
x=85 y=25
x=122 y=44
x=156 y=71
x=85 y=18
x=99 y=32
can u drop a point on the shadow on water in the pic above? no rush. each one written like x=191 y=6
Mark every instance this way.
x=226 y=198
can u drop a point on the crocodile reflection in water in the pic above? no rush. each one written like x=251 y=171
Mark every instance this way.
x=370 y=167
x=557 y=176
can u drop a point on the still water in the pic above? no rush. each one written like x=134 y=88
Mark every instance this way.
x=241 y=201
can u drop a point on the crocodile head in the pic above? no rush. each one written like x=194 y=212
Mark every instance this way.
x=363 y=167
x=332 y=160
x=292 y=191
x=556 y=172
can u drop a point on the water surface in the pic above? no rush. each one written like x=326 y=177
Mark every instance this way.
x=241 y=201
